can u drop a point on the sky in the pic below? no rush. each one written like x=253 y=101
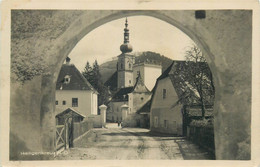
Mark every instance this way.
x=146 y=34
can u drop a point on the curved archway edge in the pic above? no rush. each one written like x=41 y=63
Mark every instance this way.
x=225 y=37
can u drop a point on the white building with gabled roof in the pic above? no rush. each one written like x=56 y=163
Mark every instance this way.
x=74 y=91
x=174 y=100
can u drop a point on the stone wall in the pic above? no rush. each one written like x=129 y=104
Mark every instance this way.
x=95 y=120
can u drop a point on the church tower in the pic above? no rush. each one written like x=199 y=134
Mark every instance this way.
x=125 y=62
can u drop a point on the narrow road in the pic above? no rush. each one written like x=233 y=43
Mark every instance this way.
x=131 y=144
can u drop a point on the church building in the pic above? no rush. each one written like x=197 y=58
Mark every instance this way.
x=125 y=62
x=131 y=84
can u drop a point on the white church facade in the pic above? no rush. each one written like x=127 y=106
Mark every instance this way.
x=149 y=71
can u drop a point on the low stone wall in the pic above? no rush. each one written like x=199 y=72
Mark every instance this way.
x=96 y=120
x=81 y=128
x=203 y=136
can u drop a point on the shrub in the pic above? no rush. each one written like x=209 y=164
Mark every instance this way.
x=207 y=123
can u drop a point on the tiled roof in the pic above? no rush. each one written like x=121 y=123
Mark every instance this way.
x=77 y=80
x=195 y=111
x=122 y=94
x=145 y=108
x=112 y=81
x=139 y=86
x=185 y=90
x=65 y=112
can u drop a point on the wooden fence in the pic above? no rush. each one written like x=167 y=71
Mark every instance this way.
x=64 y=139
x=60 y=140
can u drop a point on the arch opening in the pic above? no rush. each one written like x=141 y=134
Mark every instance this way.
x=87 y=29
x=100 y=23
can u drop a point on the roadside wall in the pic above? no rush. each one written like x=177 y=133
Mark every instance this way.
x=80 y=128
x=203 y=136
x=96 y=120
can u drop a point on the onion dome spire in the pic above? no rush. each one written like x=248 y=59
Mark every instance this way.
x=126 y=46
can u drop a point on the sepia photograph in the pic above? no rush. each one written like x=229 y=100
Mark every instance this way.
x=140 y=84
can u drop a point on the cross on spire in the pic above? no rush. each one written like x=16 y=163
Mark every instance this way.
x=126 y=34
x=126 y=24
x=126 y=47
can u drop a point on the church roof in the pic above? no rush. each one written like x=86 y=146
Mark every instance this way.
x=112 y=81
x=122 y=94
x=139 y=86
x=126 y=46
x=75 y=80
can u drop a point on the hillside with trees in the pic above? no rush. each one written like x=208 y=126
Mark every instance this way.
x=108 y=68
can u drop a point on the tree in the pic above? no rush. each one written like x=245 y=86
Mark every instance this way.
x=88 y=73
x=92 y=74
x=199 y=76
x=97 y=83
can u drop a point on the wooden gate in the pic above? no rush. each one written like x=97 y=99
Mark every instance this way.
x=60 y=140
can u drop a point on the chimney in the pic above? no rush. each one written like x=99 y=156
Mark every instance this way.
x=67 y=60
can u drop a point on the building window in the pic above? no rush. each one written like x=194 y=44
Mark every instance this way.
x=121 y=65
x=164 y=93
x=155 y=122
x=129 y=66
x=66 y=79
x=165 y=123
x=142 y=98
x=74 y=102
x=56 y=102
x=64 y=102
x=129 y=81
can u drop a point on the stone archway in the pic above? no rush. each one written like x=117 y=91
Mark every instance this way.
x=225 y=37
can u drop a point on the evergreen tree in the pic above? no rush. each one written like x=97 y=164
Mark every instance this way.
x=88 y=73
x=92 y=74
x=97 y=76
